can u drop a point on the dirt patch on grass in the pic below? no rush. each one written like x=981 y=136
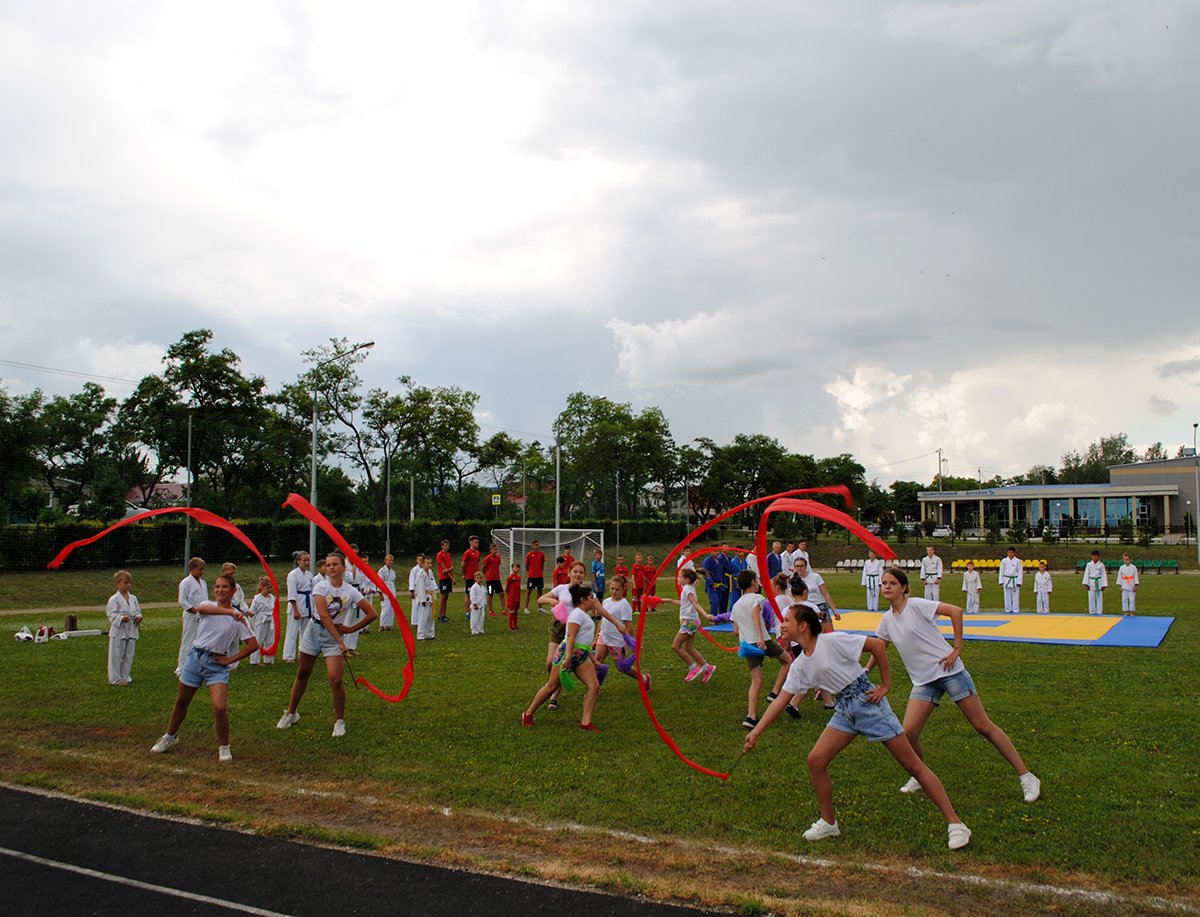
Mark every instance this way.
x=374 y=818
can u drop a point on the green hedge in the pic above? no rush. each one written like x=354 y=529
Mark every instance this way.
x=31 y=547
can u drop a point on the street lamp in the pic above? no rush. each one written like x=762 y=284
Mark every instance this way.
x=1187 y=524
x=1196 y=461
x=312 y=494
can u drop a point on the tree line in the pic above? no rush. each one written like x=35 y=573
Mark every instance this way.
x=251 y=446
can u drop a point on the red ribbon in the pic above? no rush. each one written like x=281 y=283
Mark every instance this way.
x=678 y=591
x=202 y=516
x=312 y=514
x=839 y=489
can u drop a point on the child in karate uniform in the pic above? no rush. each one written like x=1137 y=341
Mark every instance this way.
x=1042 y=587
x=1012 y=578
x=1127 y=576
x=477 y=596
x=972 y=586
x=124 y=627
x=1095 y=581
x=872 y=572
x=425 y=586
x=261 y=618
x=387 y=573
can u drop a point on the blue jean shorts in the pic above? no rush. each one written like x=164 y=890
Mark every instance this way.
x=316 y=641
x=958 y=686
x=198 y=668
x=854 y=714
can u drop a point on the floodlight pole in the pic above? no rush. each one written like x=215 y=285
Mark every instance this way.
x=1196 y=464
x=618 y=511
x=557 y=489
x=187 y=519
x=387 y=504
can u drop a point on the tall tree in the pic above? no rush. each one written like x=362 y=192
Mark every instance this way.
x=73 y=441
x=21 y=435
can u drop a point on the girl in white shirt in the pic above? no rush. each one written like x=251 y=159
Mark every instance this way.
x=911 y=624
x=831 y=662
x=684 y=643
x=574 y=656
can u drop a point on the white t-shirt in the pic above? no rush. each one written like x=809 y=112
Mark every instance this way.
x=623 y=612
x=587 y=627
x=339 y=600
x=221 y=634
x=747 y=617
x=920 y=642
x=752 y=563
x=687 y=611
x=814 y=581
x=834 y=663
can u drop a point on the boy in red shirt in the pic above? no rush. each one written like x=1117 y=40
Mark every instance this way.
x=535 y=565
x=561 y=576
x=637 y=581
x=470 y=566
x=567 y=559
x=491 y=576
x=445 y=575
x=620 y=569
x=649 y=580
x=512 y=595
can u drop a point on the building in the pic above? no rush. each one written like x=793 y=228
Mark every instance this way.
x=1164 y=490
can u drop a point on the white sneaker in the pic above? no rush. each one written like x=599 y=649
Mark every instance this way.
x=288 y=720
x=163 y=744
x=960 y=835
x=1031 y=786
x=224 y=753
x=821 y=829
x=339 y=729
x=913 y=786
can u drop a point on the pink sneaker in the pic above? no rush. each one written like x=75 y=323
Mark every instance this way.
x=647 y=680
x=693 y=673
x=708 y=672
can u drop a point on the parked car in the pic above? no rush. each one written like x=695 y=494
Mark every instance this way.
x=943 y=531
x=872 y=527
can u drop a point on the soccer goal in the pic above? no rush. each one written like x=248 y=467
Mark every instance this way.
x=516 y=543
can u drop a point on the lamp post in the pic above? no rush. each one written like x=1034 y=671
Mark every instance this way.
x=312 y=492
x=1187 y=524
x=1196 y=461
x=387 y=504
x=187 y=519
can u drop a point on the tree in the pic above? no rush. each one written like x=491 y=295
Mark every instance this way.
x=1155 y=453
x=1092 y=467
x=436 y=426
x=21 y=435
x=336 y=382
x=904 y=500
x=73 y=441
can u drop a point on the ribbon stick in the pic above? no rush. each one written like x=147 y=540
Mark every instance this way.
x=839 y=489
x=312 y=514
x=202 y=516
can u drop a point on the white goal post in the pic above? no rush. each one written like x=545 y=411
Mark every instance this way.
x=515 y=544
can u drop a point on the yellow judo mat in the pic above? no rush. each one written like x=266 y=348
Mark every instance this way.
x=1078 y=630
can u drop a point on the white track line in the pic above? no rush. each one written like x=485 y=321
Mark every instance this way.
x=134 y=883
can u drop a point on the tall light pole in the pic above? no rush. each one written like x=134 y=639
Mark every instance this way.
x=557 y=489
x=312 y=491
x=187 y=519
x=387 y=504
x=1196 y=462
x=618 y=511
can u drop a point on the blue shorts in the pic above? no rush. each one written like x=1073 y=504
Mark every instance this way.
x=316 y=641
x=854 y=714
x=958 y=686
x=198 y=668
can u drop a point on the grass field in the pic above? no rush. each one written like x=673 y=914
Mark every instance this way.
x=1110 y=731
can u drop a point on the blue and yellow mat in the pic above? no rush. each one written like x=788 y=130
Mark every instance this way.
x=1071 y=630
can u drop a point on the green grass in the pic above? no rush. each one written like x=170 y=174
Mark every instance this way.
x=1111 y=732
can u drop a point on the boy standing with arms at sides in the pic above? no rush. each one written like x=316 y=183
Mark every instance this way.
x=445 y=578
x=477 y=596
x=748 y=626
x=931 y=574
x=1012 y=578
x=801 y=551
x=387 y=573
x=426 y=586
x=649 y=579
x=512 y=596
x=620 y=569
x=124 y=623
x=637 y=581
x=598 y=574
x=193 y=591
x=535 y=571
x=414 y=617
x=1042 y=587
x=872 y=572
x=469 y=567
x=568 y=558
x=491 y=577
x=1127 y=576
x=972 y=586
x=1095 y=581
x=559 y=575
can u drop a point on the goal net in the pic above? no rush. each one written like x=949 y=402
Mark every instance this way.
x=516 y=543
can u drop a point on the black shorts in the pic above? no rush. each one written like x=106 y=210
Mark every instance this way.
x=445 y=586
x=494 y=587
x=537 y=583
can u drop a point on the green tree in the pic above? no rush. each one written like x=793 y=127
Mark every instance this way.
x=21 y=434
x=73 y=441
x=1092 y=467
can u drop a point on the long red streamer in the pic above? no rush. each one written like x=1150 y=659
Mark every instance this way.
x=312 y=514
x=839 y=489
x=200 y=515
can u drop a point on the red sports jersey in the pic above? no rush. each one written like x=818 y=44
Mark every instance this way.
x=560 y=575
x=491 y=567
x=568 y=560
x=535 y=564
x=445 y=565
x=637 y=578
x=512 y=592
x=621 y=570
x=649 y=580
x=470 y=563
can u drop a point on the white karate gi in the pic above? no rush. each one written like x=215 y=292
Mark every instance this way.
x=1095 y=577
x=192 y=592
x=872 y=575
x=971 y=586
x=387 y=617
x=1042 y=587
x=122 y=636
x=1127 y=576
x=931 y=573
x=478 y=598
x=299 y=598
x=413 y=618
x=1012 y=577
x=261 y=618
x=426 y=587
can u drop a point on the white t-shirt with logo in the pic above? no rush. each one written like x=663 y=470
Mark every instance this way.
x=338 y=599
x=921 y=644
x=834 y=663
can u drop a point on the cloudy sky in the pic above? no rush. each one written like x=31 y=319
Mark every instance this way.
x=878 y=228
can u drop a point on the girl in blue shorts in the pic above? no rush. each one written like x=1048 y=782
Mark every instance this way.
x=830 y=661
x=911 y=624
x=220 y=630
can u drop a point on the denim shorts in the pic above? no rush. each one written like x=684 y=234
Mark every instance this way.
x=198 y=668
x=958 y=686
x=316 y=641
x=854 y=714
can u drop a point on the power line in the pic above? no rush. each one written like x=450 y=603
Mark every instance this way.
x=67 y=372
x=902 y=461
